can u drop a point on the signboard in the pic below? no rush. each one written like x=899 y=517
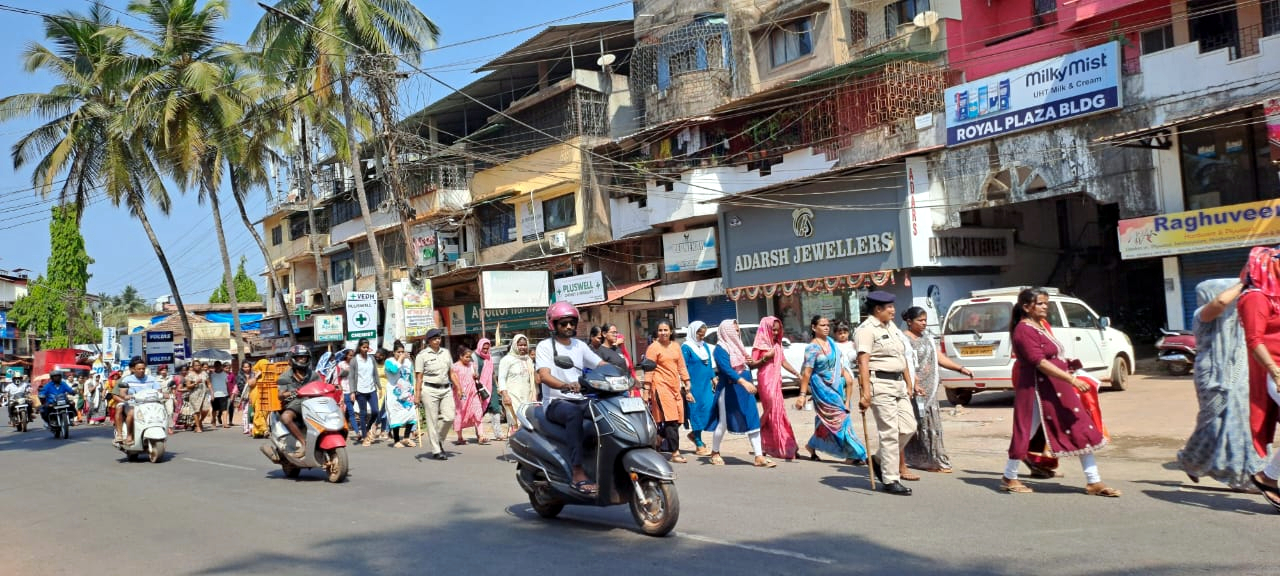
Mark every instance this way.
x=426 y=247
x=215 y=335
x=1235 y=226
x=690 y=250
x=1272 y=109
x=328 y=327
x=581 y=289
x=458 y=320
x=419 y=311
x=531 y=223
x=450 y=246
x=8 y=332
x=268 y=328
x=14 y=371
x=159 y=348
x=362 y=315
x=109 y=344
x=514 y=289
x=1069 y=86
x=132 y=345
x=508 y=318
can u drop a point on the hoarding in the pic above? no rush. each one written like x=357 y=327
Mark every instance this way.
x=362 y=315
x=690 y=250
x=580 y=289
x=1235 y=226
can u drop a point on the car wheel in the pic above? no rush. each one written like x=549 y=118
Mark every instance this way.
x=1119 y=373
x=959 y=396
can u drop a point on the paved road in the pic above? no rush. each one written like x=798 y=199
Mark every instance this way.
x=215 y=506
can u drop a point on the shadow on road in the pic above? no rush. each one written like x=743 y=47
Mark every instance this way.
x=37 y=439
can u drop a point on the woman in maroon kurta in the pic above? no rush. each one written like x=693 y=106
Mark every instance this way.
x=1067 y=424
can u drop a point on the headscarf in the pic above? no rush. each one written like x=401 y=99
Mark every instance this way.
x=515 y=340
x=486 y=373
x=766 y=335
x=731 y=340
x=1263 y=272
x=696 y=344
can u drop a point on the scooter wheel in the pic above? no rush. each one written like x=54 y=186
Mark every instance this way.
x=658 y=516
x=337 y=465
x=290 y=471
x=156 y=451
x=545 y=509
x=132 y=456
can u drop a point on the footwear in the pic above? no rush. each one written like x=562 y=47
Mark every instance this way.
x=399 y=444
x=367 y=442
x=440 y=456
x=1270 y=493
x=409 y=443
x=1101 y=489
x=762 y=462
x=702 y=451
x=909 y=477
x=678 y=459
x=814 y=456
x=585 y=487
x=896 y=488
x=270 y=452
x=1008 y=486
x=716 y=460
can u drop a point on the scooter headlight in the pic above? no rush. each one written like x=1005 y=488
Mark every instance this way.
x=612 y=384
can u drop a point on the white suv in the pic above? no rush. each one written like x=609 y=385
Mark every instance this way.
x=975 y=334
x=794 y=353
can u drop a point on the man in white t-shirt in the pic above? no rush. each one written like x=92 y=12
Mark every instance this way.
x=561 y=392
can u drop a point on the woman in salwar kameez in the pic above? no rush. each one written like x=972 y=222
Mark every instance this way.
x=668 y=389
x=702 y=375
x=466 y=396
x=926 y=451
x=825 y=375
x=776 y=435
x=735 y=397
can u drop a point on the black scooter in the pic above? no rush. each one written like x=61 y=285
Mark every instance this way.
x=618 y=454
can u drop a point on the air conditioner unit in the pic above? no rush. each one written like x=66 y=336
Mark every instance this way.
x=647 y=271
x=460 y=263
x=558 y=240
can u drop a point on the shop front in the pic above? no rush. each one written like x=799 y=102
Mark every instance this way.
x=816 y=249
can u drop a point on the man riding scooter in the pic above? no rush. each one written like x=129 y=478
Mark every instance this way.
x=51 y=390
x=137 y=381
x=297 y=376
x=561 y=392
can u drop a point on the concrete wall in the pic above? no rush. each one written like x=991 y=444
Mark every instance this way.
x=1213 y=75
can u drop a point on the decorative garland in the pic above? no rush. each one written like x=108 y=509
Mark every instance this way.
x=829 y=284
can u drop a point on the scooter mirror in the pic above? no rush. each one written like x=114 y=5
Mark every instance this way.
x=563 y=362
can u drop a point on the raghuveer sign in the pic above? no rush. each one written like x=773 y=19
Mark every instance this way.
x=1069 y=86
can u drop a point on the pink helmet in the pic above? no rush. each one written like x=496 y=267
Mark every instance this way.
x=560 y=310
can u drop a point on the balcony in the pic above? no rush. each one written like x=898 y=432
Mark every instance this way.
x=909 y=43
x=1235 y=65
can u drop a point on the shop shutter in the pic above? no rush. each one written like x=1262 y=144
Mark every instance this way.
x=1196 y=268
x=712 y=310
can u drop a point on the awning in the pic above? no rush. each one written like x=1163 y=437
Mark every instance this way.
x=828 y=284
x=334 y=249
x=1132 y=137
x=618 y=294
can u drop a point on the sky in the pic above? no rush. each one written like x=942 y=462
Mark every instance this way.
x=120 y=249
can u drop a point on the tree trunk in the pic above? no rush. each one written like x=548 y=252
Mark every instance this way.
x=313 y=239
x=226 y=270
x=266 y=256
x=353 y=159
x=139 y=212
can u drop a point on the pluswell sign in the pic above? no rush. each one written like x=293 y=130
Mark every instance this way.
x=1069 y=86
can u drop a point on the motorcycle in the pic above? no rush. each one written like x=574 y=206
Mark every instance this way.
x=59 y=416
x=20 y=415
x=326 y=443
x=1176 y=349
x=150 y=423
x=618 y=454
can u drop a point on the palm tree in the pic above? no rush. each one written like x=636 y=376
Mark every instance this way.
x=314 y=41
x=82 y=139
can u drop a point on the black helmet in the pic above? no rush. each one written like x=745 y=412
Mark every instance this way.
x=300 y=357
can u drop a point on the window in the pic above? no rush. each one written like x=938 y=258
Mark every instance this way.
x=342 y=266
x=497 y=224
x=1226 y=161
x=1270 y=17
x=1043 y=7
x=858 y=27
x=277 y=235
x=559 y=212
x=392 y=246
x=791 y=41
x=298 y=226
x=1055 y=317
x=1213 y=25
x=1078 y=316
x=1157 y=39
x=902 y=12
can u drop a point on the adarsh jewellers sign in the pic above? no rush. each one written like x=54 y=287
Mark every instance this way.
x=815 y=252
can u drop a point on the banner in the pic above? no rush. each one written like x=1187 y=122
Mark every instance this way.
x=449 y=245
x=362 y=315
x=1069 y=86
x=419 y=311
x=328 y=327
x=690 y=250
x=1272 y=109
x=581 y=289
x=1235 y=226
x=426 y=246
x=159 y=348
x=216 y=336
x=109 y=344
x=132 y=346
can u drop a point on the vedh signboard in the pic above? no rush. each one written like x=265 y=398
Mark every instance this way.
x=159 y=348
x=362 y=315
x=1069 y=86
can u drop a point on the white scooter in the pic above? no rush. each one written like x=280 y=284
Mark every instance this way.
x=326 y=444
x=150 y=421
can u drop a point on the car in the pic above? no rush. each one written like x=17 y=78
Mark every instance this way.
x=975 y=334
x=794 y=353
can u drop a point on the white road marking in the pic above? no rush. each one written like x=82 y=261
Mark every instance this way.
x=761 y=549
x=219 y=464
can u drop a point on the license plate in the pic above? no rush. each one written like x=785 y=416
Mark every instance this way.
x=977 y=350
x=630 y=405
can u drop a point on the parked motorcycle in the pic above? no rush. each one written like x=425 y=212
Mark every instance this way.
x=59 y=416
x=150 y=423
x=1177 y=351
x=618 y=454
x=326 y=444
x=20 y=416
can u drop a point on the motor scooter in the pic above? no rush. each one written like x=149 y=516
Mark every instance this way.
x=58 y=417
x=326 y=443
x=618 y=454
x=1176 y=349
x=150 y=427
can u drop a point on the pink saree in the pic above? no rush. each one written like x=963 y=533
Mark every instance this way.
x=776 y=436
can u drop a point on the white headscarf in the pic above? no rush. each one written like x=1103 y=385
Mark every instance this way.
x=696 y=344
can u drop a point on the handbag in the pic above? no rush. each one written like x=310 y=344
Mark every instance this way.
x=483 y=393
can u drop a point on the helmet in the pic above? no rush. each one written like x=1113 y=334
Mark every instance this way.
x=560 y=310
x=300 y=357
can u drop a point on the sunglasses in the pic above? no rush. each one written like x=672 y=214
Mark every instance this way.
x=567 y=322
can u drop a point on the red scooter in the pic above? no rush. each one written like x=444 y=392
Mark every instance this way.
x=326 y=443
x=1176 y=349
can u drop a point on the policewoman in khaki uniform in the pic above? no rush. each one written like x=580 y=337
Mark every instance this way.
x=886 y=387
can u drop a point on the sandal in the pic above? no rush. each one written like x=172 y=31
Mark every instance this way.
x=366 y=442
x=1101 y=489
x=909 y=477
x=702 y=451
x=763 y=462
x=678 y=459
x=1271 y=493
x=409 y=443
x=814 y=456
x=585 y=487
x=399 y=444
x=1019 y=488
x=716 y=460
x=483 y=441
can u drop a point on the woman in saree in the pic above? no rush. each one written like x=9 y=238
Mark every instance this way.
x=925 y=451
x=702 y=375
x=735 y=397
x=198 y=402
x=825 y=375
x=776 y=435
x=466 y=396
x=492 y=406
x=1220 y=446
x=516 y=378
x=668 y=389
x=401 y=414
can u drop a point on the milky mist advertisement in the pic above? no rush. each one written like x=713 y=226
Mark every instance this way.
x=1049 y=91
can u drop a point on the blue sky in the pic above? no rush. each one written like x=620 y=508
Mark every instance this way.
x=117 y=242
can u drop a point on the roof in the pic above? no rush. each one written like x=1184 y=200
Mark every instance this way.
x=557 y=41
x=618 y=293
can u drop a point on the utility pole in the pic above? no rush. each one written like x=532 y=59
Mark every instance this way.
x=353 y=153
x=313 y=239
x=380 y=75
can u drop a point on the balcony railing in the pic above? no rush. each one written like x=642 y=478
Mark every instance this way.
x=908 y=39
x=1242 y=42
